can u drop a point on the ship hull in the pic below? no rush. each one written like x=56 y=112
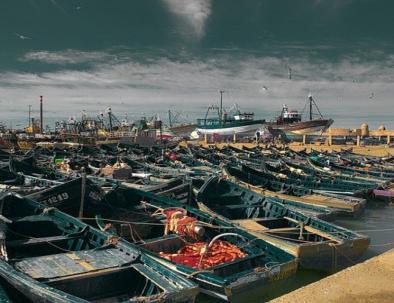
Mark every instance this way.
x=314 y=127
x=247 y=129
x=183 y=130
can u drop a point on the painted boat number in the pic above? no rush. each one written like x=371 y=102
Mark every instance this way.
x=95 y=196
x=57 y=198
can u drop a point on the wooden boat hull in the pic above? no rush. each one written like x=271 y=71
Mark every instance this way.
x=314 y=127
x=41 y=242
x=67 y=196
x=329 y=256
x=226 y=281
x=334 y=246
x=338 y=206
x=123 y=204
x=248 y=128
x=262 y=282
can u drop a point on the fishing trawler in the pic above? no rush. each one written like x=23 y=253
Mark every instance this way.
x=227 y=125
x=290 y=121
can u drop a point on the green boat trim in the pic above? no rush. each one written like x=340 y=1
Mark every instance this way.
x=340 y=205
x=226 y=281
x=325 y=246
x=64 y=253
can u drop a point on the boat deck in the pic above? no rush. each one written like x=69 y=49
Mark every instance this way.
x=73 y=263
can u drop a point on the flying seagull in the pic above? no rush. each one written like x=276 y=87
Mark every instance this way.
x=22 y=37
x=265 y=88
x=372 y=96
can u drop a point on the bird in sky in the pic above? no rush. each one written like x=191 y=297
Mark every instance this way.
x=372 y=95
x=22 y=37
x=264 y=88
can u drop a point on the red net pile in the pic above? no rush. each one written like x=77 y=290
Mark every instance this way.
x=192 y=255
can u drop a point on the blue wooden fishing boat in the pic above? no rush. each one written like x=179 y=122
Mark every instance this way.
x=317 y=243
x=317 y=184
x=169 y=231
x=288 y=191
x=49 y=256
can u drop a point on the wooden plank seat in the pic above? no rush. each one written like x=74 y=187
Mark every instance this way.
x=250 y=224
x=284 y=229
x=232 y=195
x=53 y=239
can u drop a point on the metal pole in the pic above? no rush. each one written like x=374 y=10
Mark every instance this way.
x=169 y=117
x=310 y=107
x=221 y=106
x=83 y=190
x=161 y=132
x=29 y=115
x=110 y=121
x=41 y=116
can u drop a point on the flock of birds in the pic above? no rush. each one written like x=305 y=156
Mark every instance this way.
x=264 y=88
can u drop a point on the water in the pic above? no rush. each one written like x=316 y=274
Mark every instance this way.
x=377 y=222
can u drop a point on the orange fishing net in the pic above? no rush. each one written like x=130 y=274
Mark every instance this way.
x=198 y=256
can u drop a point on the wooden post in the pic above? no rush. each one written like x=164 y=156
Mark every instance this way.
x=206 y=138
x=83 y=190
x=330 y=136
x=388 y=139
x=235 y=138
x=304 y=139
x=358 y=140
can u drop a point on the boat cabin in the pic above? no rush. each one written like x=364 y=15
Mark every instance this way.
x=288 y=116
x=244 y=116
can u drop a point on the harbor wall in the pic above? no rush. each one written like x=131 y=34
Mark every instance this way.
x=371 y=281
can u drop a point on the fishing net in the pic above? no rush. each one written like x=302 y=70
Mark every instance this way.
x=199 y=256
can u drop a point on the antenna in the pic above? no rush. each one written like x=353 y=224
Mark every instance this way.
x=29 y=115
x=221 y=106
x=41 y=116
x=311 y=103
x=170 y=117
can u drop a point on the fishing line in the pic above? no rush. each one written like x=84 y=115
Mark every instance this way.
x=156 y=224
x=31 y=237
